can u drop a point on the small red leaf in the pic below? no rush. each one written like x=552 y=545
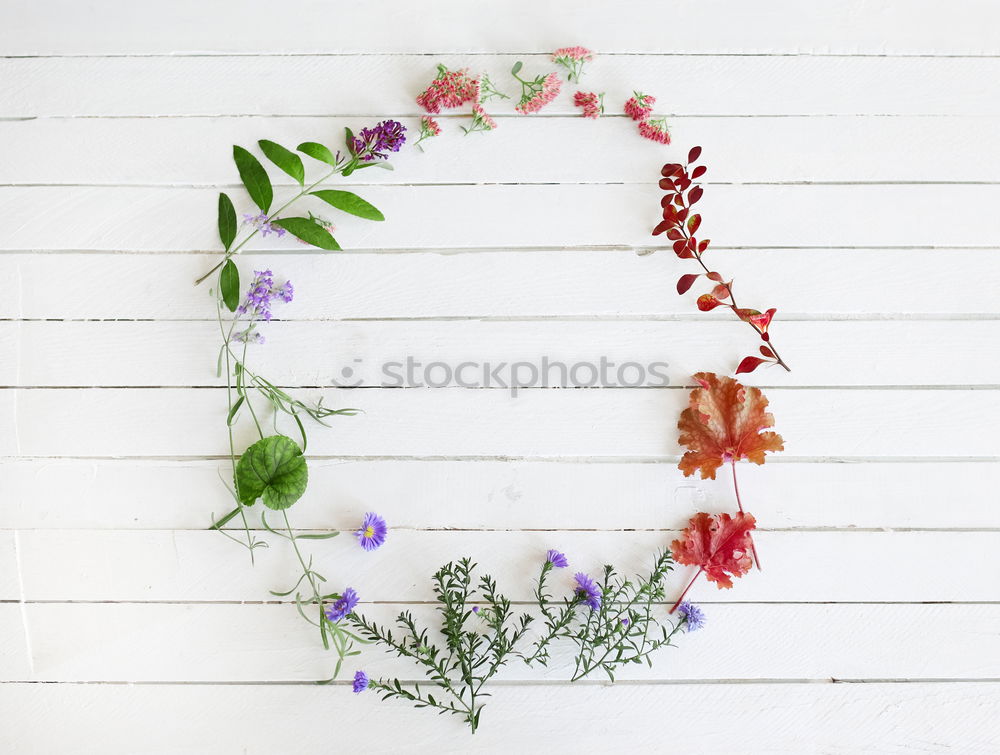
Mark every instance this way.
x=670 y=169
x=746 y=314
x=694 y=222
x=661 y=227
x=707 y=302
x=699 y=171
x=680 y=245
x=674 y=234
x=682 y=214
x=721 y=291
x=767 y=352
x=749 y=364
x=694 y=154
x=702 y=246
x=695 y=194
x=685 y=282
x=666 y=184
x=683 y=182
x=669 y=212
x=717 y=277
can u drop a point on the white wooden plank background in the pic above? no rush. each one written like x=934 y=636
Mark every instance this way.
x=853 y=185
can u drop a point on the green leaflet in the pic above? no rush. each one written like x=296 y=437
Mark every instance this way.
x=254 y=178
x=227 y=221
x=229 y=284
x=349 y=202
x=285 y=159
x=309 y=231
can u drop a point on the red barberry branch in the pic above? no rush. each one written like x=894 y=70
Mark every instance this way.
x=681 y=225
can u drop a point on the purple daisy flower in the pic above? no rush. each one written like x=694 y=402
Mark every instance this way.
x=587 y=589
x=373 y=143
x=373 y=531
x=345 y=605
x=360 y=681
x=557 y=559
x=694 y=617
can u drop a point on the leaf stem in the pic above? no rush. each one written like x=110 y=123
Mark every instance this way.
x=739 y=505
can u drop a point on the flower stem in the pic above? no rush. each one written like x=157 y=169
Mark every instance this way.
x=674 y=608
x=739 y=504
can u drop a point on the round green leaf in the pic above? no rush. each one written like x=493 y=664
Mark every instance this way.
x=274 y=470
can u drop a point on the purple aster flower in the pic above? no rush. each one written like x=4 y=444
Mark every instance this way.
x=587 y=589
x=261 y=223
x=475 y=609
x=360 y=681
x=557 y=559
x=373 y=531
x=372 y=143
x=347 y=603
x=262 y=291
x=624 y=622
x=694 y=617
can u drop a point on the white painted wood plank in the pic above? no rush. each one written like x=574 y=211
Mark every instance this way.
x=609 y=422
x=196 y=643
x=764 y=718
x=10 y=582
x=687 y=26
x=521 y=150
x=462 y=217
x=101 y=494
x=14 y=662
x=206 y=566
x=175 y=354
x=497 y=284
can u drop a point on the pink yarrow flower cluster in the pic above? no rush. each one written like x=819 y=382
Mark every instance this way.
x=639 y=106
x=572 y=59
x=481 y=121
x=591 y=102
x=538 y=92
x=450 y=89
x=429 y=128
x=656 y=130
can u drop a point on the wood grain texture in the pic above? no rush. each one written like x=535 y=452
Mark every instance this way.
x=463 y=217
x=688 y=26
x=605 y=422
x=94 y=494
x=187 y=566
x=852 y=186
x=766 y=718
x=537 y=283
x=148 y=354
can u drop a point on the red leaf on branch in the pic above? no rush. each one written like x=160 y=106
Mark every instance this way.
x=767 y=352
x=762 y=321
x=673 y=234
x=749 y=364
x=695 y=194
x=694 y=154
x=723 y=423
x=685 y=282
x=707 y=302
x=670 y=169
x=666 y=184
x=694 y=222
x=702 y=246
x=698 y=172
x=722 y=290
x=661 y=227
x=720 y=545
x=713 y=276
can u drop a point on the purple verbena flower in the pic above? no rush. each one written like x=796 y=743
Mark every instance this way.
x=588 y=590
x=373 y=143
x=694 y=617
x=248 y=336
x=261 y=223
x=373 y=531
x=557 y=559
x=360 y=681
x=344 y=606
x=257 y=302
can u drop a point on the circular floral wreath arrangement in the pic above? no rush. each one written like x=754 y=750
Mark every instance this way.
x=609 y=621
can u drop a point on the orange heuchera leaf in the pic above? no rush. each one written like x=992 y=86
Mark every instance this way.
x=719 y=544
x=723 y=424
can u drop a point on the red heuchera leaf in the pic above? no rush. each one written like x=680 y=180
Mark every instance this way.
x=719 y=544
x=722 y=424
x=749 y=364
x=707 y=302
x=685 y=282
